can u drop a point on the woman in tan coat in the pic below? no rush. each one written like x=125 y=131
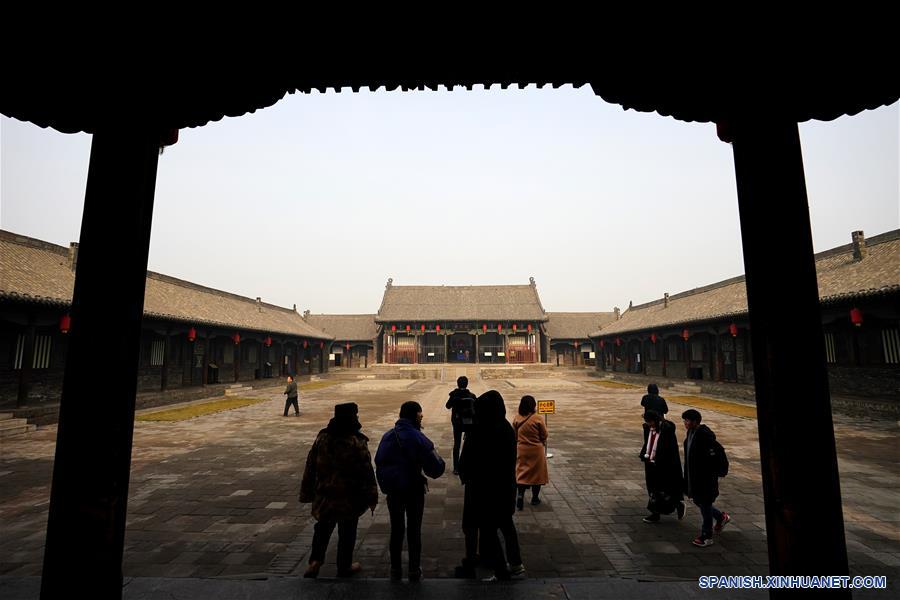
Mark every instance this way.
x=531 y=452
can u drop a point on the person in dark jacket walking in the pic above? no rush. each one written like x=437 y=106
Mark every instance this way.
x=340 y=483
x=653 y=401
x=292 y=397
x=488 y=470
x=662 y=468
x=403 y=454
x=701 y=483
x=461 y=405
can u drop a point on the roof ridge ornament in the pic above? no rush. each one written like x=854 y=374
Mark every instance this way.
x=390 y=282
x=531 y=281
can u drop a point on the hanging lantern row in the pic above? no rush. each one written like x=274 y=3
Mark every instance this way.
x=65 y=323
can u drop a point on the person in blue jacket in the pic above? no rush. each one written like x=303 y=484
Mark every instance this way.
x=403 y=455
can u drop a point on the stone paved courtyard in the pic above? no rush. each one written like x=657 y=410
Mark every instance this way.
x=216 y=496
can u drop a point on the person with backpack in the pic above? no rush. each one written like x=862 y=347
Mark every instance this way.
x=403 y=455
x=662 y=468
x=461 y=404
x=704 y=462
x=653 y=401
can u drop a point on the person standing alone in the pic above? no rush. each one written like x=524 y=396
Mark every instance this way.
x=293 y=398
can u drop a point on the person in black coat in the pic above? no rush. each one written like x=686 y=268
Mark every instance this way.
x=487 y=468
x=662 y=468
x=701 y=482
x=653 y=401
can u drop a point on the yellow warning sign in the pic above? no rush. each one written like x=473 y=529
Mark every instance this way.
x=546 y=407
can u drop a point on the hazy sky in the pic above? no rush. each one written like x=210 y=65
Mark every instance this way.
x=320 y=198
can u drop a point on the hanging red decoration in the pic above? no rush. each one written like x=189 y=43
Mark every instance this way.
x=685 y=334
x=192 y=334
x=321 y=344
x=653 y=338
x=347 y=345
x=856 y=317
x=437 y=328
x=65 y=323
x=484 y=328
x=499 y=328
x=268 y=341
x=423 y=329
x=732 y=329
x=577 y=344
x=601 y=343
x=407 y=329
x=618 y=342
x=393 y=328
x=236 y=338
x=305 y=343
x=529 y=328
x=514 y=327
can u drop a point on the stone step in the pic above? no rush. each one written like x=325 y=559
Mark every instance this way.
x=11 y=427
x=237 y=390
x=5 y=416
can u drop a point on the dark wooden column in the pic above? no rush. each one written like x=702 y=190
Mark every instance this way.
x=89 y=494
x=164 y=374
x=804 y=522
x=27 y=362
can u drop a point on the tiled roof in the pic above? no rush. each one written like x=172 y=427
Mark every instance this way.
x=840 y=277
x=575 y=325
x=461 y=303
x=36 y=271
x=345 y=327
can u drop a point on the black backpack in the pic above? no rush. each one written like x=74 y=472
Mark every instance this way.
x=466 y=412
x=719 y=459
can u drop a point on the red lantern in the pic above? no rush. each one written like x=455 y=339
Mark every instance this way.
x=393 y=328
x=732 y=329
x=321 y=345
x=856 y=317
x=236 y=338
x=347 y=346
x=529 y=328
x=423 y=329
x=268 y=341
x=499 y=327
x=653 y=338
x=437 y=328
x=601 y=343
x=407 y=329
x=484 y=328
x=65 y=323
x=618 y=342
x=577 y=343
x=305 y=343
x=514 y=327
x=685 y=334
x=192 y=334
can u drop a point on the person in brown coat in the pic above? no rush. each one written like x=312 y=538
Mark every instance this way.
x=531 y=452
x=340 y=482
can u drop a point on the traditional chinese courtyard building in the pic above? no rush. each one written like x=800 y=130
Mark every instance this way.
x=569 y=336
x=497 y=324
x=192 y=336
x=354 y=338
x=704 y=334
